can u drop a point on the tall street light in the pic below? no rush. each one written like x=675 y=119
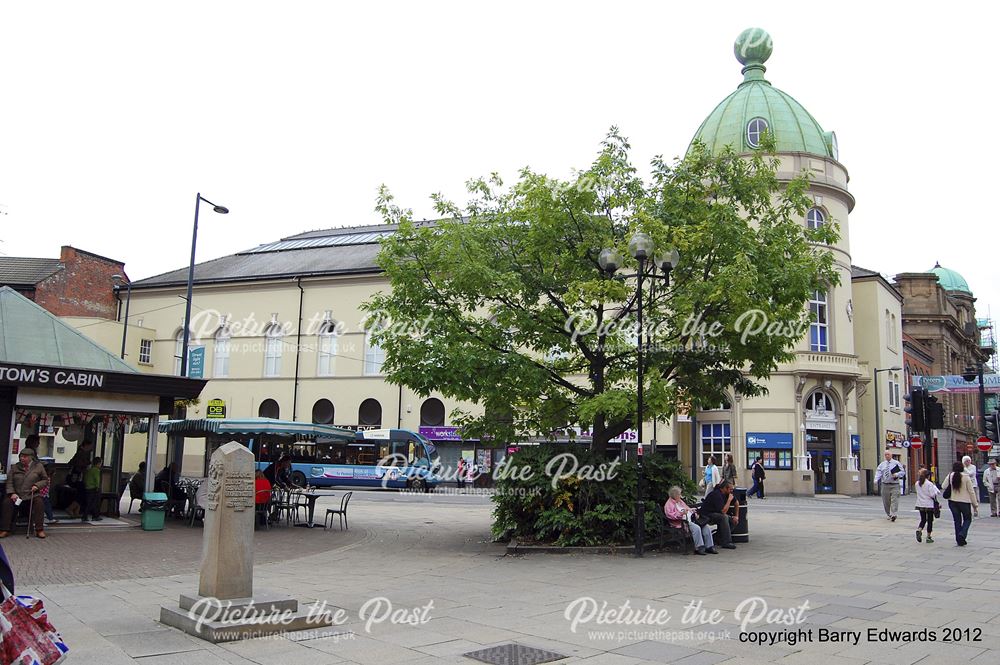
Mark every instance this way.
x=119 y=280
x=879 y=439
x=641 y=247
x=971 y=374
x=222 y=210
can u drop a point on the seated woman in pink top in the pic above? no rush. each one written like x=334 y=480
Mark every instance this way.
x=677 y=512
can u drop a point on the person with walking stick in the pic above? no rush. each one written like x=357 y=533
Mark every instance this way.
x=24 y=482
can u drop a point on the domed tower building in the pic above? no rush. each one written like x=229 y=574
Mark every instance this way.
x=803 y=429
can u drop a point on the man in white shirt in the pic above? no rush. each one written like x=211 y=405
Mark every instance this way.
x=970 y=471
x=888 y=475
x=991 y=478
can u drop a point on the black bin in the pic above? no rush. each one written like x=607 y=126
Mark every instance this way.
x=741 y=531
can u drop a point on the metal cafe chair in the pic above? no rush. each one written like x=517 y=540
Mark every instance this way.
x=342 y=513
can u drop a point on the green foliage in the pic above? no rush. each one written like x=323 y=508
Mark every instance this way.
x=502 y=303
x=576 y=511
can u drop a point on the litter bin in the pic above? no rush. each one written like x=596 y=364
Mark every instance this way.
x=741 y=532
x=154 y=509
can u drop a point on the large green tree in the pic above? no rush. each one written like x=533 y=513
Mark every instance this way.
x=503 y=301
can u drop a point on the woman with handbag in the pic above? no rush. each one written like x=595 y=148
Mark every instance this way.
x=678 y=512
x=927 y=494
x=961 y=500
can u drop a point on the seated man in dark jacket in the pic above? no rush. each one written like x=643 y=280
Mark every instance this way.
x=716 y=508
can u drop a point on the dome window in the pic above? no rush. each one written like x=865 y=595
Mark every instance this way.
x=815 y=218
x=755 y=131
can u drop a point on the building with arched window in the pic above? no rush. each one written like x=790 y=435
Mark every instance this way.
x=315 y=356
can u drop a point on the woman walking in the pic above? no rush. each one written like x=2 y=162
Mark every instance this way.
x=729 y=470
x=927 y=494
x=712 y=476
x=961 y=500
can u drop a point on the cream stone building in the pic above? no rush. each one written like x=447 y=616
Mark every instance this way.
x=279 y=330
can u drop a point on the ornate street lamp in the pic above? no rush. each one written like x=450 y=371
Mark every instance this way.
x=641 y=247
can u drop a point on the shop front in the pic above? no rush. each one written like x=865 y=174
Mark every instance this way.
x=73 y=401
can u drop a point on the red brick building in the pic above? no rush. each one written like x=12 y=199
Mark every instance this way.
x=78 y=283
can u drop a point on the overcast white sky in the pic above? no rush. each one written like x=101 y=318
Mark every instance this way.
x=113 y=114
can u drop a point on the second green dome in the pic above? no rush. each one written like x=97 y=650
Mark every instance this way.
x=756 y=106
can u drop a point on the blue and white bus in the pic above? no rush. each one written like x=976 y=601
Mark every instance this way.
x=393 y=458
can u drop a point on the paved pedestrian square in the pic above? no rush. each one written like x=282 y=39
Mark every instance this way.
x=843 y=585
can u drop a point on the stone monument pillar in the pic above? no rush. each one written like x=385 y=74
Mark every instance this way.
x=227 y=548
x=225 y=608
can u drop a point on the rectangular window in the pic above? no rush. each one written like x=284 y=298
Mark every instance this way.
x=784 y=459
x=716 y=441
x=374 y=357
x=221 y=365
x=327 y=352
x=145 y=351
x=272 y=356
x=819 y=328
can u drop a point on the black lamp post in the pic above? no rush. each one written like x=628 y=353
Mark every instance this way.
x=222 y=210
x=641 y=248
x=971 y=374
x=118 y=280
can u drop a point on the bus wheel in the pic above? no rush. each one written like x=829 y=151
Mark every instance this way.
x=298 y=479
x=418 y=485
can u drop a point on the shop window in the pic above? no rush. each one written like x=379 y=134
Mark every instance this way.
x=771 y=459
x=716 y=441
x=178 y=352
x=432 y=413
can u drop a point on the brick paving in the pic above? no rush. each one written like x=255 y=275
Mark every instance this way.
x=856 y=570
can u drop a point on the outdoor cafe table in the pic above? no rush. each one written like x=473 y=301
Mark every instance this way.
x=311 y=496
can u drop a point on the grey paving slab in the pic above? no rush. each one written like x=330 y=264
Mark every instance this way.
x=659 y=652
x=154 y=643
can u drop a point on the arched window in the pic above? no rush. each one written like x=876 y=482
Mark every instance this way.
x=272 y=351
x=819 y=329
x=755 y=132
x=323 y=412
x=221 y=363
x=820 y=402
x=326 y=349
x=432 y=413
x=374 y=356
x=370 y=413
x=815 y=218
x=268 y=409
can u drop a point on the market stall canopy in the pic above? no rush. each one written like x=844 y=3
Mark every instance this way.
x=39 y=350
x=252 y=426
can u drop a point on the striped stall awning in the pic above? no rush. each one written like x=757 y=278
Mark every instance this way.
x=251 y=426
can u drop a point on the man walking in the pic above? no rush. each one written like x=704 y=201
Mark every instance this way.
x=888 y=475
x=991 y=478
x=758 y=479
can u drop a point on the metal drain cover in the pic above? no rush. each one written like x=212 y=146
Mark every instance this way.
x=514 y=654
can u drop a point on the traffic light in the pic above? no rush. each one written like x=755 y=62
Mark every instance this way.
x=934 y=412
x=993 y=426
x=915 y=408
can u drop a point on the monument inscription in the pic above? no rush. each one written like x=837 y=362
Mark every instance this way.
x=227 y=549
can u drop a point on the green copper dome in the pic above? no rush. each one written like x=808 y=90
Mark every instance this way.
x=757 y=106
x=950 y=280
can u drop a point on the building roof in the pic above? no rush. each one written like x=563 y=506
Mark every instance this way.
x=31 y=335
x=859 y=273
x=341 y=251
x=950 y=280
x=23 y=271
x=788 y=122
